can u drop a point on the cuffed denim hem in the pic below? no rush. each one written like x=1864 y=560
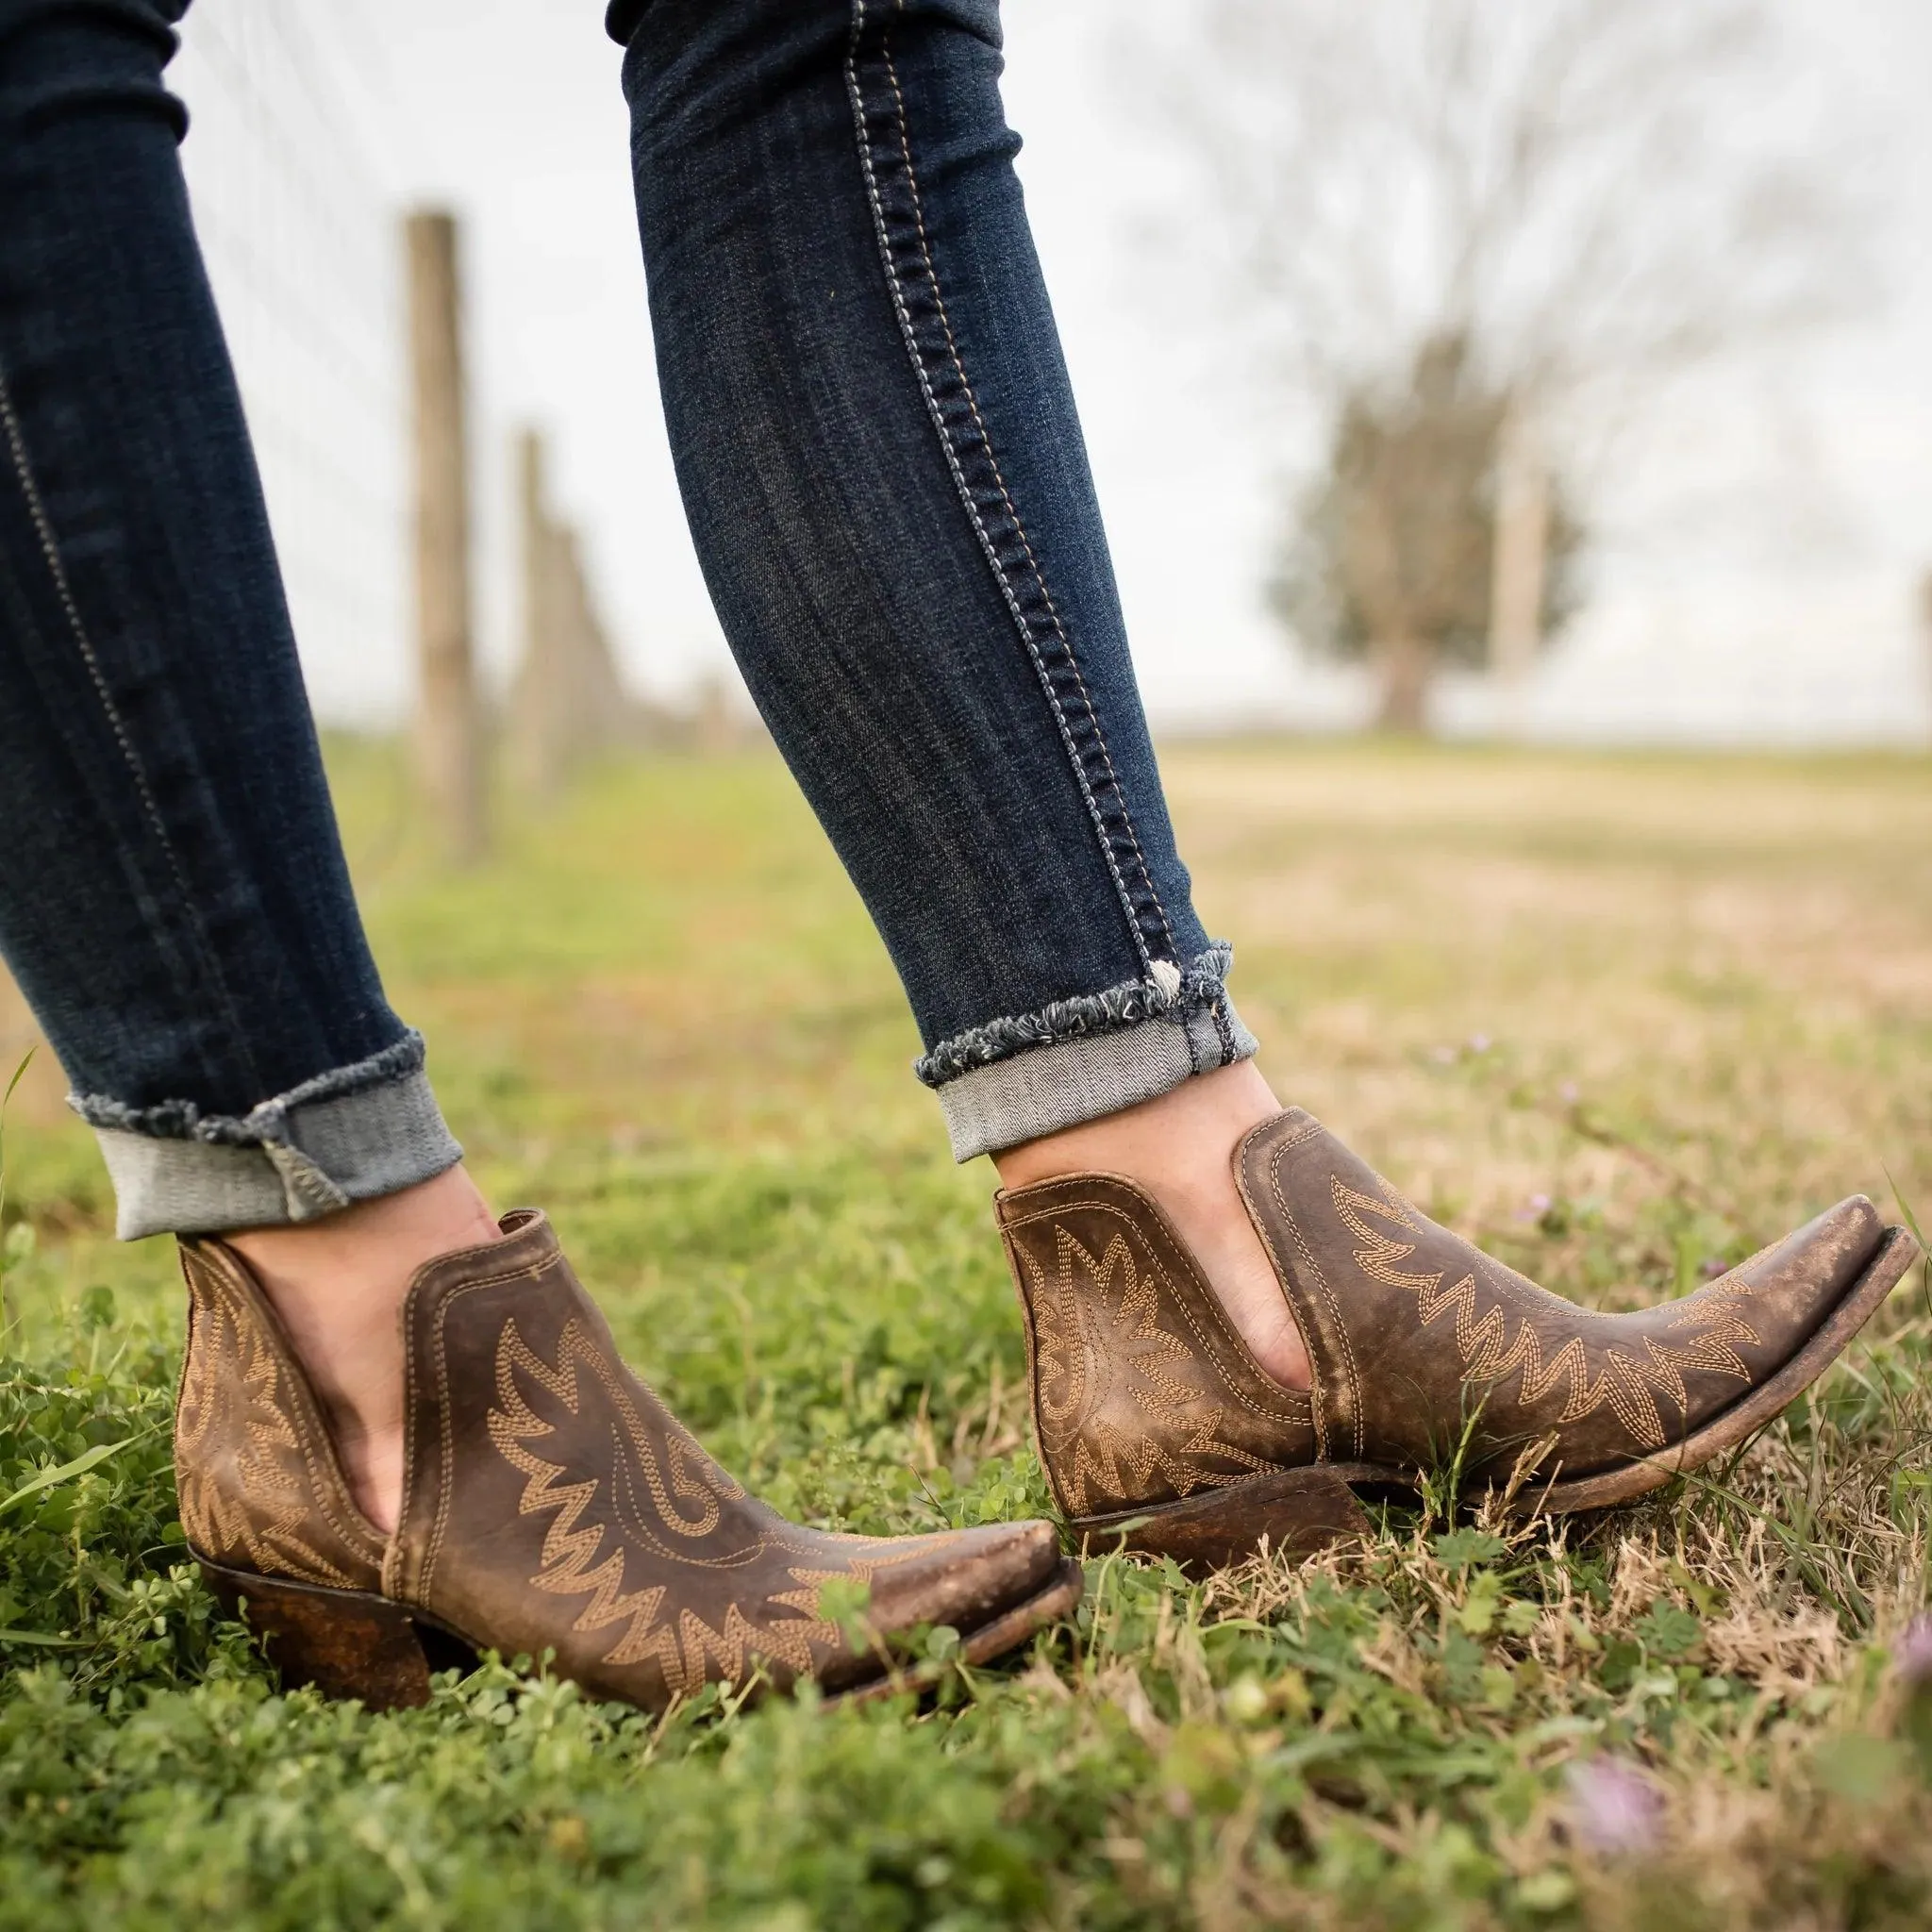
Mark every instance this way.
x=1081 y=1059
x=352 y=1135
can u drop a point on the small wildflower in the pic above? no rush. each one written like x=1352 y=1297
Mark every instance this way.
x=1479 y=1043
x=1615 y=1809
x=1569 y=1093
x=1911 y=1656
x=1538 y=1204
x=1713 y=1267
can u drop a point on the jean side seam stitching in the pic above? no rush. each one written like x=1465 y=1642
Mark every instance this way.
x=50 y=550
x=1005 y=495
x=965 y=492
x=1001 y=577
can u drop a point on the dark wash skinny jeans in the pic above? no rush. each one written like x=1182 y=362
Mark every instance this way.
x=888 y=489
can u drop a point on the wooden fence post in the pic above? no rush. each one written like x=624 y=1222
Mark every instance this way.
x=538 y=721
x=568 y=702
x=449 y=721
x=1520 y=562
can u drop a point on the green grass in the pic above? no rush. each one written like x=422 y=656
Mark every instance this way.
x=1619 y=1019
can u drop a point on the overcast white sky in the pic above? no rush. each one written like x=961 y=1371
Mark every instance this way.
x=1756 y=580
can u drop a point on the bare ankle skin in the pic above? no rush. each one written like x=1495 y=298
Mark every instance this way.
x=337 y=1285
x=1178 y=1148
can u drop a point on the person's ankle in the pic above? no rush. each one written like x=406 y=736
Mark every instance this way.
x=337 y=1285
x=1180 y=1149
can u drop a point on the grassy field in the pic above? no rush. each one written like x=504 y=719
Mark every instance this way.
x=1622 y=1020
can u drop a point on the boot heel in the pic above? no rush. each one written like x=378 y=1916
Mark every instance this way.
x=1298 y=1511
x=346 y=1642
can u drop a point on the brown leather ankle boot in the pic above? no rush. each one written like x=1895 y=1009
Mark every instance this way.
x=550 y=1504
x=1429 y=1359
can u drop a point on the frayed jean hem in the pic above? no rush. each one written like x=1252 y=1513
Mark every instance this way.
x=1070 y=1081
x=293 y=1158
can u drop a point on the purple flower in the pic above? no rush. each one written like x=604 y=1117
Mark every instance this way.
x=1538 y=1204
x=1614 y=1807
x=1569 y=1093
x=1911 y=1656
x=1479 y=1043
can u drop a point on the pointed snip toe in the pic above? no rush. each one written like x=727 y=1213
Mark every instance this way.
x=551 y=1504
x=1156 y=1424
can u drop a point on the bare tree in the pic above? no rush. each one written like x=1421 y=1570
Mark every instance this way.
x=1469 y=231
x=1405 y=550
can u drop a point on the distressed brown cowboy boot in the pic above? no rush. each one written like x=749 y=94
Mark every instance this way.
x=550 y=1504
x=1155 y=1424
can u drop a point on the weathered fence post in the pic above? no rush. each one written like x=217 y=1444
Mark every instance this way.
x=568 y=702
x=541 y=701
x=449 y=720
x=1519 y=583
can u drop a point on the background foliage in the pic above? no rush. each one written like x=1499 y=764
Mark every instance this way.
x=1622 y=1021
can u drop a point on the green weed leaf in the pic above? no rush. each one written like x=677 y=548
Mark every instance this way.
x=1667 y=1632
x=1861 y=1769
x=1461 y=1549
x=66 y=1471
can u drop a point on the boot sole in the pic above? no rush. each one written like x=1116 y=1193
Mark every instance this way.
x=354 y=1643
x=1301 y=1511
x=1006 y=1632
x=1297 y=1512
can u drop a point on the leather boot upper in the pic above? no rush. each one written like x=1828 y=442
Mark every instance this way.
x=551 y=1503
x=255 y=1472
x=1425 y=1352
x=1142 y=1393
x=1423 y=1347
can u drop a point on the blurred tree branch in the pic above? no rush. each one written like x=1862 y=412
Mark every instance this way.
x=1470 y=233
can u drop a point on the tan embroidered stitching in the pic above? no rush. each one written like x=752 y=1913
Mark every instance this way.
x=394 y=1559
x=1016 y=1261
x=328 y=1486
x=1489 y=1356
x=1339 y=1326
x=686 y=1649
x=516 y=1420
x=1110 y=1324
x=1295 y=1406
x=272 y=1503
x=1318 y=1404
x=446 y=1475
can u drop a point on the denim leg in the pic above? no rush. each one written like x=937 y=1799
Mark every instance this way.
x=889 y=491
x=174 y=901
